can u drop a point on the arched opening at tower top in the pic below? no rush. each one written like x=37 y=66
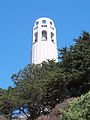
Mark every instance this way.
x=44 y=21
x=44 y=35
x=36 y=36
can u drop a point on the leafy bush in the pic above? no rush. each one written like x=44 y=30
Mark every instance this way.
x=78 y=109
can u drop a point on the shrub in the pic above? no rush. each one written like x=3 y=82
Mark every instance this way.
x=78 y=109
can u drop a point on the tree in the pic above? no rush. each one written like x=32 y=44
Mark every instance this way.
x=40 y=87
x=75 y=62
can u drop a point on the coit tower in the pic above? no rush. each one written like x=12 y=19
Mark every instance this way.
x=44 y=45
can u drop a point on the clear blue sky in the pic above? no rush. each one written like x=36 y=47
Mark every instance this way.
x=16 y=21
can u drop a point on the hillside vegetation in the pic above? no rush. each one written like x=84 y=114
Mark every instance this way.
x=70 y=109
x=78 y=109
x=39 y=88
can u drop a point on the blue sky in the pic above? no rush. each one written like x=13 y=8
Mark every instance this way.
x=16 y=21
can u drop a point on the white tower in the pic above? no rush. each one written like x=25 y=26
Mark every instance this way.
x=44 y=44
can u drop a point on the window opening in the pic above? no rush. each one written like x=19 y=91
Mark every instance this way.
x=44 y=35
x=44 y=21
x=37 y=23
x=52 y=37
x=36 y=36
x=50 y=23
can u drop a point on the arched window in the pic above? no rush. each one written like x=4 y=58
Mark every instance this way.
x=36 y=36
x=44 y=21
x=50 y=23
x=37 y=23
x=44 y=35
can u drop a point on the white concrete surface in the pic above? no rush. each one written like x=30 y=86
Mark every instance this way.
x=44 y=45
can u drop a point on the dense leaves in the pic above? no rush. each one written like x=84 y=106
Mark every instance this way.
x=78 y=109
x=38 y=88
x=76 y=62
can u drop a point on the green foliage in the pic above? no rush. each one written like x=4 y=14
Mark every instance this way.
x=42 y=86
x=78 y=109
x=5 y=107
x=76 y=63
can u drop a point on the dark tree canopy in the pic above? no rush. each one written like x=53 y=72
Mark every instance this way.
x=42 y=86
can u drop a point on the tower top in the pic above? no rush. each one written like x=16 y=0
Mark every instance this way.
x=43 y=20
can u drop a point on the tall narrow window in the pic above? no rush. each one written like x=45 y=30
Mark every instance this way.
x=52 y=37
x=44 y=35
x=36 y=36
x=50 y=23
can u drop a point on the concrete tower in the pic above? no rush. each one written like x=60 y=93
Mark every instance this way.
x=44 y=44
